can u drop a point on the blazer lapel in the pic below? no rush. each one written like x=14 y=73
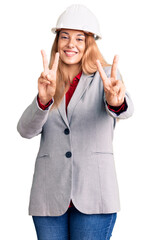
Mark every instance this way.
x=62 y=111
x=79 y=91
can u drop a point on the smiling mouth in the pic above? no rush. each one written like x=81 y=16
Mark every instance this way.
x=70 y=53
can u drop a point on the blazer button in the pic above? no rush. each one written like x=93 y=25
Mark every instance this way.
x=68 y=154
x=66 y=131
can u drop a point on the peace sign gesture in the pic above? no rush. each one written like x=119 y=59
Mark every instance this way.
x=47 y=80
x=114 y=89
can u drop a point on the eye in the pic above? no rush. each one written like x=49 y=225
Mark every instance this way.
x=64 y=37
x=80 y=39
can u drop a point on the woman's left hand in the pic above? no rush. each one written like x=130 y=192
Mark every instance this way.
x=114 y=89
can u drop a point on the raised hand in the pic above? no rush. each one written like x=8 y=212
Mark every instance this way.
x=114 y=89
x=47 y=80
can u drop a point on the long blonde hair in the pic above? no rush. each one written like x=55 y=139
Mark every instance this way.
x=88 y=66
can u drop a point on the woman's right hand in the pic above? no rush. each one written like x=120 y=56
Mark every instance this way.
x=47 y=80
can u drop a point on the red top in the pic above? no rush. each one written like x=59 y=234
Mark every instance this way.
x=69 y=94
x=72 y=88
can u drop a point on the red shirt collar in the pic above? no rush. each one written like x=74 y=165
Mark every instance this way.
x=79 y=75
x=76 y=79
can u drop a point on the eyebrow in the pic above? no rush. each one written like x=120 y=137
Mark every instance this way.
x=82 y=35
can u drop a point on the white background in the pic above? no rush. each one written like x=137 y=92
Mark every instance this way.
x=25 y=30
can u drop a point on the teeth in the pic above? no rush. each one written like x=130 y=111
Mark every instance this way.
x=70 y=53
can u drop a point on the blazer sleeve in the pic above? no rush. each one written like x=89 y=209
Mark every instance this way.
x=32 y=120
x=130 y=107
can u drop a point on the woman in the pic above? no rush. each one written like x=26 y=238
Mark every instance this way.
x=74 y=193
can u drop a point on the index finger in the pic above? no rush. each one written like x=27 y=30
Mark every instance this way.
x=101 y=71
x=45 y=61
x=114 y=67
x=56 y=61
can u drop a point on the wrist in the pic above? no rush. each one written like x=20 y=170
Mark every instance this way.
x=42 y=106
x=118 y=109
x=43 y=101
x=116 y=105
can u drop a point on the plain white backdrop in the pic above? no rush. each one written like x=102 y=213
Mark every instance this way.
x=25 y=30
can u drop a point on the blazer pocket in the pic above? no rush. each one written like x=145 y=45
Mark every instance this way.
x=104 y=159
x=101 y=153
x=107 y=177
x=43 y=155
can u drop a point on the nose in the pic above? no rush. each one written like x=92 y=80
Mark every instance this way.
x=71 y=43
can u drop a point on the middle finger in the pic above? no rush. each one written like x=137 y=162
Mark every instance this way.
x=114 y=67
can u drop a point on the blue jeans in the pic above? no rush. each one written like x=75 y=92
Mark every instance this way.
x=74 y=225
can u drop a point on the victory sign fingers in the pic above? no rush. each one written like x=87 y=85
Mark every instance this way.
x=47 y=80
x=114 y=89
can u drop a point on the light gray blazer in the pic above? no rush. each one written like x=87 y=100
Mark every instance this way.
x=75 y=159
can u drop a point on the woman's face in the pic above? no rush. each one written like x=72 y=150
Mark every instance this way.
x=71 y=46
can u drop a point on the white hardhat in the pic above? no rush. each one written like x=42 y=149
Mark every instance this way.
x=78 y=17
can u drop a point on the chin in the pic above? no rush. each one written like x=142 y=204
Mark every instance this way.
x=71 y=61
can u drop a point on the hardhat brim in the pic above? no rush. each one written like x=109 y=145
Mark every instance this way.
x=96 y=37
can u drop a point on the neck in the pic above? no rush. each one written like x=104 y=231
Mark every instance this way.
x=72 y=71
